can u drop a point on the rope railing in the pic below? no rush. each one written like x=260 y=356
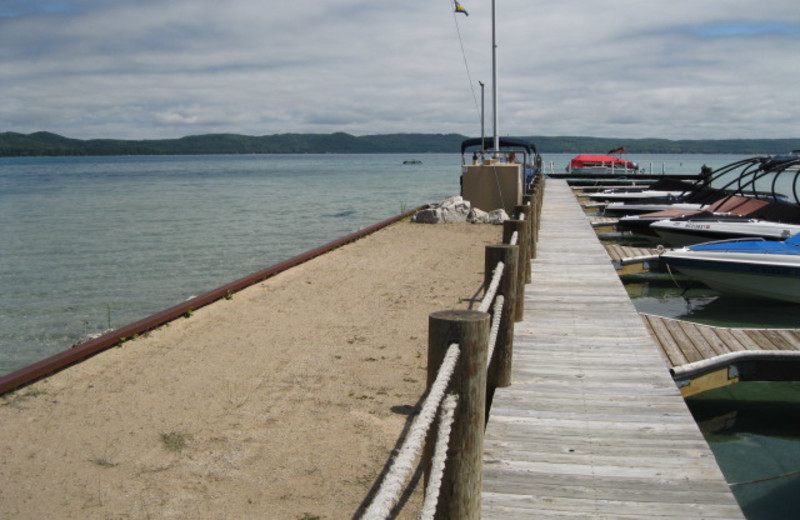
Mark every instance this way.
x=446 y=415
x=469 y=356
x=495 y=330
x=491 y=291
x=403 y=465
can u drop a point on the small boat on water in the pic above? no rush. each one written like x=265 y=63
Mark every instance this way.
x=754 y=268
x=602 y=164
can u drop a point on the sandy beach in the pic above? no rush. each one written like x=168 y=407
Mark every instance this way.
x=284 y=402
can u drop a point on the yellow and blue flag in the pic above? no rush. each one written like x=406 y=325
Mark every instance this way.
x=460 y=8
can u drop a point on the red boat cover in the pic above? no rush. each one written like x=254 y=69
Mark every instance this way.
x=590 y=160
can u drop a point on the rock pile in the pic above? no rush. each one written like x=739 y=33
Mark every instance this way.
x=456 y=209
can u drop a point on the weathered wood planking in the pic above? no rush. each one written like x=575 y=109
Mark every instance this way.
x=630 y=260
x=592 y=425
x=684 y=342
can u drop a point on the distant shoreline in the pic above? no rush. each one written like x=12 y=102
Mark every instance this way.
x=47 y=144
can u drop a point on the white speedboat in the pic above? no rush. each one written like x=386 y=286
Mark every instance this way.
x=664 y=191
x=635 y=196
x=694 y=230
x=729 y=205
x=754 y=268
x=635 y=208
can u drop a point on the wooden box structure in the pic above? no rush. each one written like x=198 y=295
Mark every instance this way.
x=493 y=185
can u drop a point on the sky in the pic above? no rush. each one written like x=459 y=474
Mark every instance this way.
x=140 y=69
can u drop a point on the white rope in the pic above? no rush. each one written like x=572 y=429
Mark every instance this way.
x=497 y=274
x=514 y=238
x=439 y=457
x=496 y=314
x=403 y=465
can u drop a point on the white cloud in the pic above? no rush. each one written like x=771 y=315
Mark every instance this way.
x=153 y=68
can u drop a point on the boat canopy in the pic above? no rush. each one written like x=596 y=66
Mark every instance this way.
x=531 y=160
x=505 y=142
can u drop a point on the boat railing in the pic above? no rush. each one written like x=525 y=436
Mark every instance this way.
x=469 y=356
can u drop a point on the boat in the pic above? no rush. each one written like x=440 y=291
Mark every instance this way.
x=703 y=228
x=601 y=164
x=663 y=192
x=738 y=178
x=726 y=206
x=753 y=268
x=509 y=150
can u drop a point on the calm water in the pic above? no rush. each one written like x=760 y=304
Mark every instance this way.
x=752 y=429
x=89 y=244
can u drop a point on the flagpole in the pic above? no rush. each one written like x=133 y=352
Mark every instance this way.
x=494 y=85
x=483 y=134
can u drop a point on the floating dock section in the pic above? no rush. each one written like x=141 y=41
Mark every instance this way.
x=702 y=357
x=593 y=425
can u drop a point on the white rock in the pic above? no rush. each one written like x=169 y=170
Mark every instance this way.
x=456 y=212
x=497 y=217
x=456 y=209
x=478 y=216
x=428 y=216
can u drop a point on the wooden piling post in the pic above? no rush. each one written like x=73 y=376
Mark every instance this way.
x=500 y=366
x=460 y=495
x=540 y=197
x=533 y=200
x=529 y=224
x=509 y=226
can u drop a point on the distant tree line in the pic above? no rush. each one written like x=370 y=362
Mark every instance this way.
x=14 y=144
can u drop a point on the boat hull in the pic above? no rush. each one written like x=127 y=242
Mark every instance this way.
x=640 y=197
x=689 y=232
x=602 y=170
x=767 y=276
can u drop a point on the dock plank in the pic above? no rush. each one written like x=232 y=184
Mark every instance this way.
x=592 y=425
x=672 y=351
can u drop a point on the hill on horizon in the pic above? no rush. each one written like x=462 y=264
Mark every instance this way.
x=13 y=144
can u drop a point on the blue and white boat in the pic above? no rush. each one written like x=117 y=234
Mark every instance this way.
x=747 y=267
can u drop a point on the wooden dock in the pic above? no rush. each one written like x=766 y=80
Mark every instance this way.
x=593 y=425
x=702 y=357
x=684 y=342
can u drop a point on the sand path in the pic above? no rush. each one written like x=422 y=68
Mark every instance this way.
x=282 y=403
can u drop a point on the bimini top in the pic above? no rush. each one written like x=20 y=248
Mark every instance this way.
x=584 y=160
x=505 y=142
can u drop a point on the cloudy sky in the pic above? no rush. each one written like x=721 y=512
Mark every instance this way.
x=616 y=68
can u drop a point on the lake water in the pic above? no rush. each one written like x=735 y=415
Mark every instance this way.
x=89 y=244
x=752 y=429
